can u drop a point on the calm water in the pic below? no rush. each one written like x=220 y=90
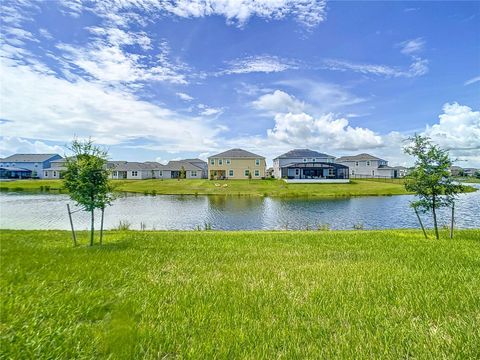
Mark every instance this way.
x=48 y=211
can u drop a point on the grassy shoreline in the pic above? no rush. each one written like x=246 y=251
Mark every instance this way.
x=271 y=188
x=331 y=294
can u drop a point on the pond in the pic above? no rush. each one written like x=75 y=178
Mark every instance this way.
x=174 y=212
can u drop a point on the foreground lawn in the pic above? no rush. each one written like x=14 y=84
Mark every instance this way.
x=275 y=188
x=164 y=295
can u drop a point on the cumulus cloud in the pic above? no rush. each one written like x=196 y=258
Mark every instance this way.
x=324 y=131
x=458 y=128
x=259 y=64
x=279 y=101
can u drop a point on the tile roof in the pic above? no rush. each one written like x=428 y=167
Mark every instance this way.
x=237 y=153
x=303 y=153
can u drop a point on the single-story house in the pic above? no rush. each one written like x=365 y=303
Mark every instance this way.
x=456 y=170
x=194 y=169
x=470 y=171
x=367 y=166
x=28 y=165
x=236 y=164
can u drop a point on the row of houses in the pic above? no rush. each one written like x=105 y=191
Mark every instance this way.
x=298 y=164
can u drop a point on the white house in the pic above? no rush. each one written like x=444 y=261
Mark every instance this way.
x=366 y=165
x=298 y=156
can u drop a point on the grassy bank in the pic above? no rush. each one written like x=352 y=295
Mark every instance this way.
x=162 y=295
x=275 y=188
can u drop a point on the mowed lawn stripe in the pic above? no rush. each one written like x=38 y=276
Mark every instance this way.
x=331 y=294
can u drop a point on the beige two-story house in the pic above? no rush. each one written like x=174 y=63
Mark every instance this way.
x=236 y=164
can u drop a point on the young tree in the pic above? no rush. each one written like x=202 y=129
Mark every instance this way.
x=183 y=173
x=86 y=178
x=430 y=178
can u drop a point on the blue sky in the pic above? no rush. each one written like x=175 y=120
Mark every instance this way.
x=166 y=79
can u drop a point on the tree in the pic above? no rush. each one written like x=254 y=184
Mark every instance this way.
x=87 y=179
x=183 y=173
x=430 y=178
x=477 y=174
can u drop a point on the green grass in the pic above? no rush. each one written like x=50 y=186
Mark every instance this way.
x=469 y=179
x=253 y=295
x=274 y=188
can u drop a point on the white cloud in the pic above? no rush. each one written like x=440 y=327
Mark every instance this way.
x=325 y=131
x=10 y=145
x=307 y=12
x=472 y=80
x=458 y=128
x=418 y=67
x=184 y=97
x=106 y=60
x=413 y=46
x=279 y=101
x=56 y=109
x=209 y=111
x=259 y=64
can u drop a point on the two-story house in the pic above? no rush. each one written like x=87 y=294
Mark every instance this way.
x=297 y=156
x=236 y=164
x=26 y=165
x=366 y=165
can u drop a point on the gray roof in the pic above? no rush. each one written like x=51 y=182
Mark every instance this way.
x=28 y=157
x=400 y=167
x=176 y=165
x=303 y=153
x=237 y=153
x=358 y=157
x=131 y=165
x=13 y=168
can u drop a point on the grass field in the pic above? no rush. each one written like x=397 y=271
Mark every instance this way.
x=274 y=188
x=254 y=295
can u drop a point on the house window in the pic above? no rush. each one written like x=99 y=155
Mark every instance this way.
x=54 y=174
x=257 y=173
x=304 y=160
x=220 y=161
x=331 y=172
x=246 y=172
x=194 y=173
x=160 y=173
x=45 y=173
x=368 y=163
x=114 y=173
x=257 y=162
x=297 y=172
x=373 y=172
x=212 y=162
x=227 y=161
x=230 y=172
x=36 y=165
x=313 y=160
x=356 y=163
x=134 y=173
x=353 y=172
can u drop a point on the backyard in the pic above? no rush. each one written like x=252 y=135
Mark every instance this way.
x=274 y=188
x=204 y=294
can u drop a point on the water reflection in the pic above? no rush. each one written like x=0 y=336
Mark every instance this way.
x=45 y=211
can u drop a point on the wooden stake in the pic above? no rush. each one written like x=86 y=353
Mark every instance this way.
x=452 y=222
x=71 y=225
x=420 y=221
x=101 y=227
